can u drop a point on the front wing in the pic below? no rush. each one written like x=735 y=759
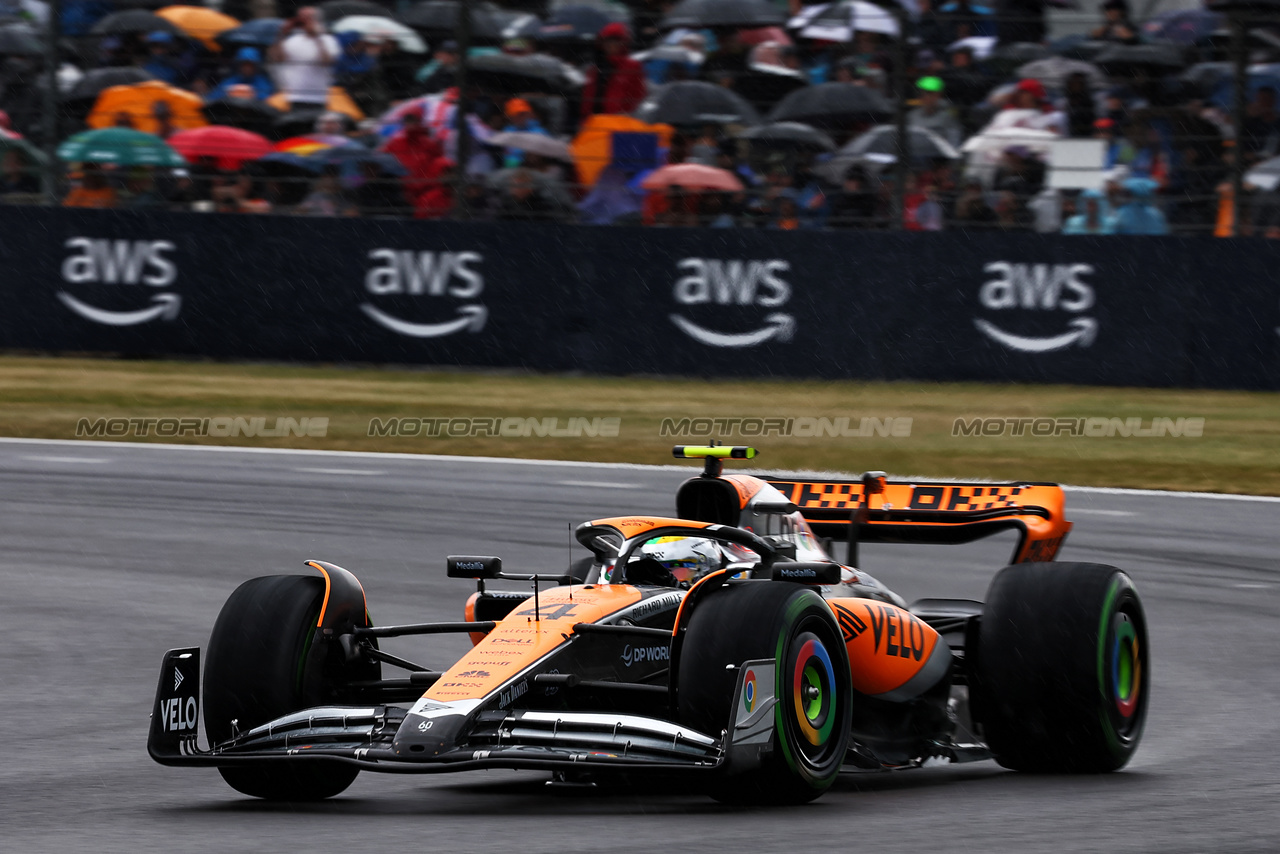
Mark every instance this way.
x=515 y=738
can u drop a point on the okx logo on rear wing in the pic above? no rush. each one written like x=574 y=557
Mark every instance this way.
x=946 y=513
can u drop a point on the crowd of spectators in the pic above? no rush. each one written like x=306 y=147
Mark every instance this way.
x=1167 y=143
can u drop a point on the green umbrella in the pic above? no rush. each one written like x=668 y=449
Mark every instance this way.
x=26 y=149
x=122 y=146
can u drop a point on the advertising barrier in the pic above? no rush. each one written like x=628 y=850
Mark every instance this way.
x=1150 y=311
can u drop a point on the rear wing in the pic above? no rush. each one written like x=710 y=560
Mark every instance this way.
x=944 y=513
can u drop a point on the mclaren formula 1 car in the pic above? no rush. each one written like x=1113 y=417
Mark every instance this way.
x=726 y=641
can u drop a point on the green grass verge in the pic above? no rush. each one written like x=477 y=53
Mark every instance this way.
x=1238 y=452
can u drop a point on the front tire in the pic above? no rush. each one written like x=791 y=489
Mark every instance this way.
x=794 y=627
x=262 y=663
x=1063 y=668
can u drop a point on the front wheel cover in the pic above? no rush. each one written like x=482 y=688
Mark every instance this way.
x=813 y=688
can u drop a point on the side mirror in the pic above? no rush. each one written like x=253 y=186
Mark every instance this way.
x=805 y=572
x=784 y=547
x=471 y=566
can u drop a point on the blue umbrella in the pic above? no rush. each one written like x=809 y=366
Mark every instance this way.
x=1183 y=26
x=350 y=161
x=260 y=32
x=1258 y=77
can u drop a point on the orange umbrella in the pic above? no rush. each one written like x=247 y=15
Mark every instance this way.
x=199 y=22
x=692 y=176
x=138 y=102
x=339 y=102
x=592 y=148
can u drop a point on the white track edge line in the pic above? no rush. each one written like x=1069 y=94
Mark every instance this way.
x=518 y=461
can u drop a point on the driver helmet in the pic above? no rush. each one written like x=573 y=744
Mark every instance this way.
x=686 y=558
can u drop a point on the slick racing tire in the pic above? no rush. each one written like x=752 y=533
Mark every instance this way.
x=1063 y=668
x=793 y=627
x=261 y=664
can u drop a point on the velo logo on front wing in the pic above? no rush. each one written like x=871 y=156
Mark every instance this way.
x=1038 y=288
x=734 y=283
x=123 y=265
x=401 y=273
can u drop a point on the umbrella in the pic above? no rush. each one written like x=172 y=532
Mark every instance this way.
x=336 y=10
x=244 y=113
x=1205 y=76
x=309 y=144
x=692 y=103
x=768 y=84
x=789 y=135
x=1054 y=71
x=1182 y=26
x=1257 y=77
x=1266 y=175
x=922 y=145
x=534 y=143
x=692 y=176
x=199 y=22
x=89 y=87
x=133 y=21
x=261 y=32
x=980 y=46
x=1119 y=59
x=10 y=142
x=439 y=19
x=837 y=22
x=578 y=23
x=764 y=35
x=351 y=158
x=121 y=146
x=832 y=105
x=338 y=101
x=1007 y=57
x=537 y=72
x=20 y=40
x=370 y=26
x=723 y=13
x=138 y=101
x=227 y=145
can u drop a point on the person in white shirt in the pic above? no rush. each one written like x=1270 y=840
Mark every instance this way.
x=303 y=58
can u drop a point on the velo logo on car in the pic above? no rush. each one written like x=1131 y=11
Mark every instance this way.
x=1038 y=288
x=401 y=278
x=755 y=288
x=125 y=268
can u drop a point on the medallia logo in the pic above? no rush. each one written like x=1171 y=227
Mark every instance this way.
x=125 y=264
x=436 y=275
x=1039 y=288
x=735 y=283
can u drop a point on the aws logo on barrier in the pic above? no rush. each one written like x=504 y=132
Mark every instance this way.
x=1039 y=287
x=716 y=282
x=124 y=263
x=431 y=275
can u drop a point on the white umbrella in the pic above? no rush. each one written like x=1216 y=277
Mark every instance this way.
x=1265 y=176
x=371 y=26
x=837 y=22
x=986 y=149
x=982 y=46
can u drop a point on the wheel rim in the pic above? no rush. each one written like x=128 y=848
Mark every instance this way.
x=1123 y=669
x=814 y=694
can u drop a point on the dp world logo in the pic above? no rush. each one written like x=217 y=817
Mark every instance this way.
x=755 y=288
x=1021 y=288
x=128 y=268
x=413 y=288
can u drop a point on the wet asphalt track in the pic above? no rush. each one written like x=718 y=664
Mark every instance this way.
x=110 y=555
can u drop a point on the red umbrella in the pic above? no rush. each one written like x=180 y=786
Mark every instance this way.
x=692 y=176
x=227 y=145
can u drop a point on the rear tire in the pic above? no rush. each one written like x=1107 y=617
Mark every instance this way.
x=794 y=627
x=1063 y=668
x=261 y=663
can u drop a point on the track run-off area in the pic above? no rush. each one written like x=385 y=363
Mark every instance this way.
x=112 y=553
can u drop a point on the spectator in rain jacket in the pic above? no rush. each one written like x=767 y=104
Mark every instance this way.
x=1140 y=216
x=1096 y=217
x=615 y=84
x=248 y=73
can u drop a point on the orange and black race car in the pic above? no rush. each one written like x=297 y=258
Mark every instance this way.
x=726 y=641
